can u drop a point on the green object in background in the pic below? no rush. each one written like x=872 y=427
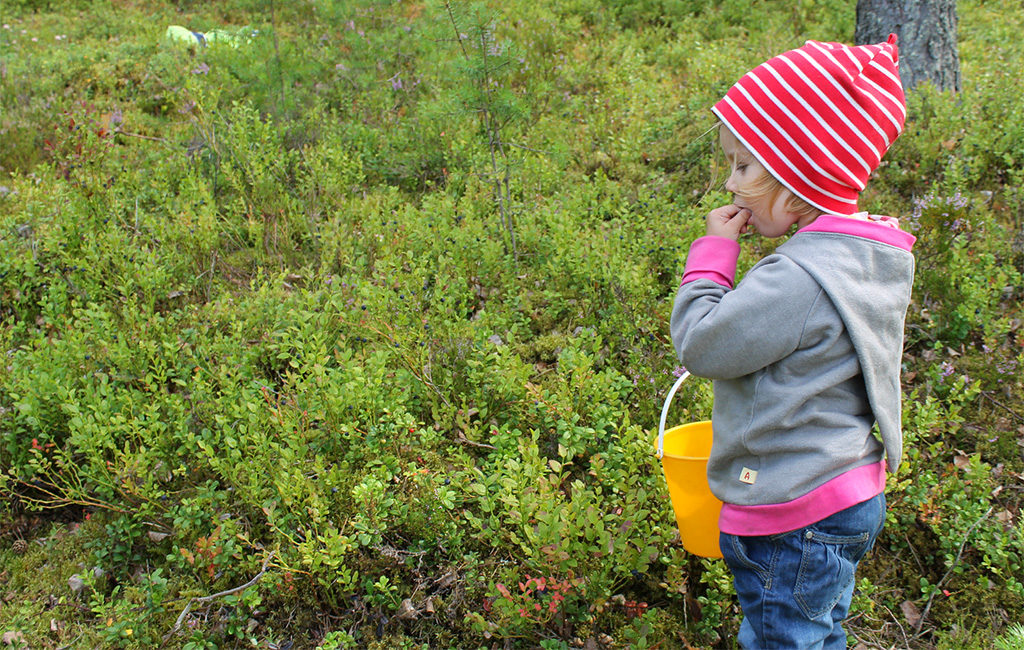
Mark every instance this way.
x=180 y=34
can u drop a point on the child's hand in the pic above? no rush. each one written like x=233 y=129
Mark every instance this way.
x=728 y=221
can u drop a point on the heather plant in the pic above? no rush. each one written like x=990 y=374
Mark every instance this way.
x=963 y=277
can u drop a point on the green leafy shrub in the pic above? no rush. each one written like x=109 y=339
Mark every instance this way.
x=374 y=308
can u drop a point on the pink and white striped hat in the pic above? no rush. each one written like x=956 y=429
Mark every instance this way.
x=820 y=117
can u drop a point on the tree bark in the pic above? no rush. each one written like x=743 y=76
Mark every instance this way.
x=927 y=38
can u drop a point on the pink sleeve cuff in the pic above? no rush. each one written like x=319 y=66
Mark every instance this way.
x=712 y=258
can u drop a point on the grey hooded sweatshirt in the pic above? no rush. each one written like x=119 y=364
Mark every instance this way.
x=805 y=356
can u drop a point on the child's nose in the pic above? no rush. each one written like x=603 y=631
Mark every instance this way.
x=730 y=183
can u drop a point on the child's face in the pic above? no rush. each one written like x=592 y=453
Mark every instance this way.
x=747 y=184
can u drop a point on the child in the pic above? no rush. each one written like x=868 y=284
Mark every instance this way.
x=805 y=351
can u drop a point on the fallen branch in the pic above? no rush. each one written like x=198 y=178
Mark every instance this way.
x=466 y=441
x=70 y=645
x=956 y=561
x=141 y=136
x=899 y=625
x=206 y=599
x=519 y=146
x=1006 y=408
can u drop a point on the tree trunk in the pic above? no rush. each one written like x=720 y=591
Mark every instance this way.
x=927 y=38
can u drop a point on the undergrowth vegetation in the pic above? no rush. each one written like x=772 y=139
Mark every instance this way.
x=366 y=311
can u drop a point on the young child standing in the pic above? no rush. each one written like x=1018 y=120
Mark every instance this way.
x=805 y=352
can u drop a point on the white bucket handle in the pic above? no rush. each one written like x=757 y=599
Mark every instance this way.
x=664 y=412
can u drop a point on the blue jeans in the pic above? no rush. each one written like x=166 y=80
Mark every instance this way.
x=795 y=588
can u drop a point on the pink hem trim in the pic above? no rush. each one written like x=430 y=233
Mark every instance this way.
x=845 y=490
x=712 y=258
x=875 y=230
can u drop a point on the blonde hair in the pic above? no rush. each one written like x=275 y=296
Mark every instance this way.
x=770 y=187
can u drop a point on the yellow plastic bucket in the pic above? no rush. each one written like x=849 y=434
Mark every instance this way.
x=684 y=452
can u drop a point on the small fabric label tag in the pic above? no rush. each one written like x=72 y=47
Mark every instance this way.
x=748 y=475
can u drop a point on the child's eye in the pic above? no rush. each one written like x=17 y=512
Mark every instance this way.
x=741 y=168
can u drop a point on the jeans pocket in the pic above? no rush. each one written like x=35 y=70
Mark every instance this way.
x=736 y=553
x=827 y=566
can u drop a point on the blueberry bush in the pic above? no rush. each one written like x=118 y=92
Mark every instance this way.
x=348 y=328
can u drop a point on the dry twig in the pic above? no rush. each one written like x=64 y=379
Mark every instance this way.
x=1006 y=408
x=466 y=441
x=206 y=599
x=956 y=561
x=899 y=625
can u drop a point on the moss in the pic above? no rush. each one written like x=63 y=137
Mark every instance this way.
x=36 y=589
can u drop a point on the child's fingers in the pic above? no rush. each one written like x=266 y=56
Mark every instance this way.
x=727 y=221
x=724 y=212
x=740 y=221
x=743 y=218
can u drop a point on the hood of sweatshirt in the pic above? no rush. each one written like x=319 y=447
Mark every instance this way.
x=869 y=278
